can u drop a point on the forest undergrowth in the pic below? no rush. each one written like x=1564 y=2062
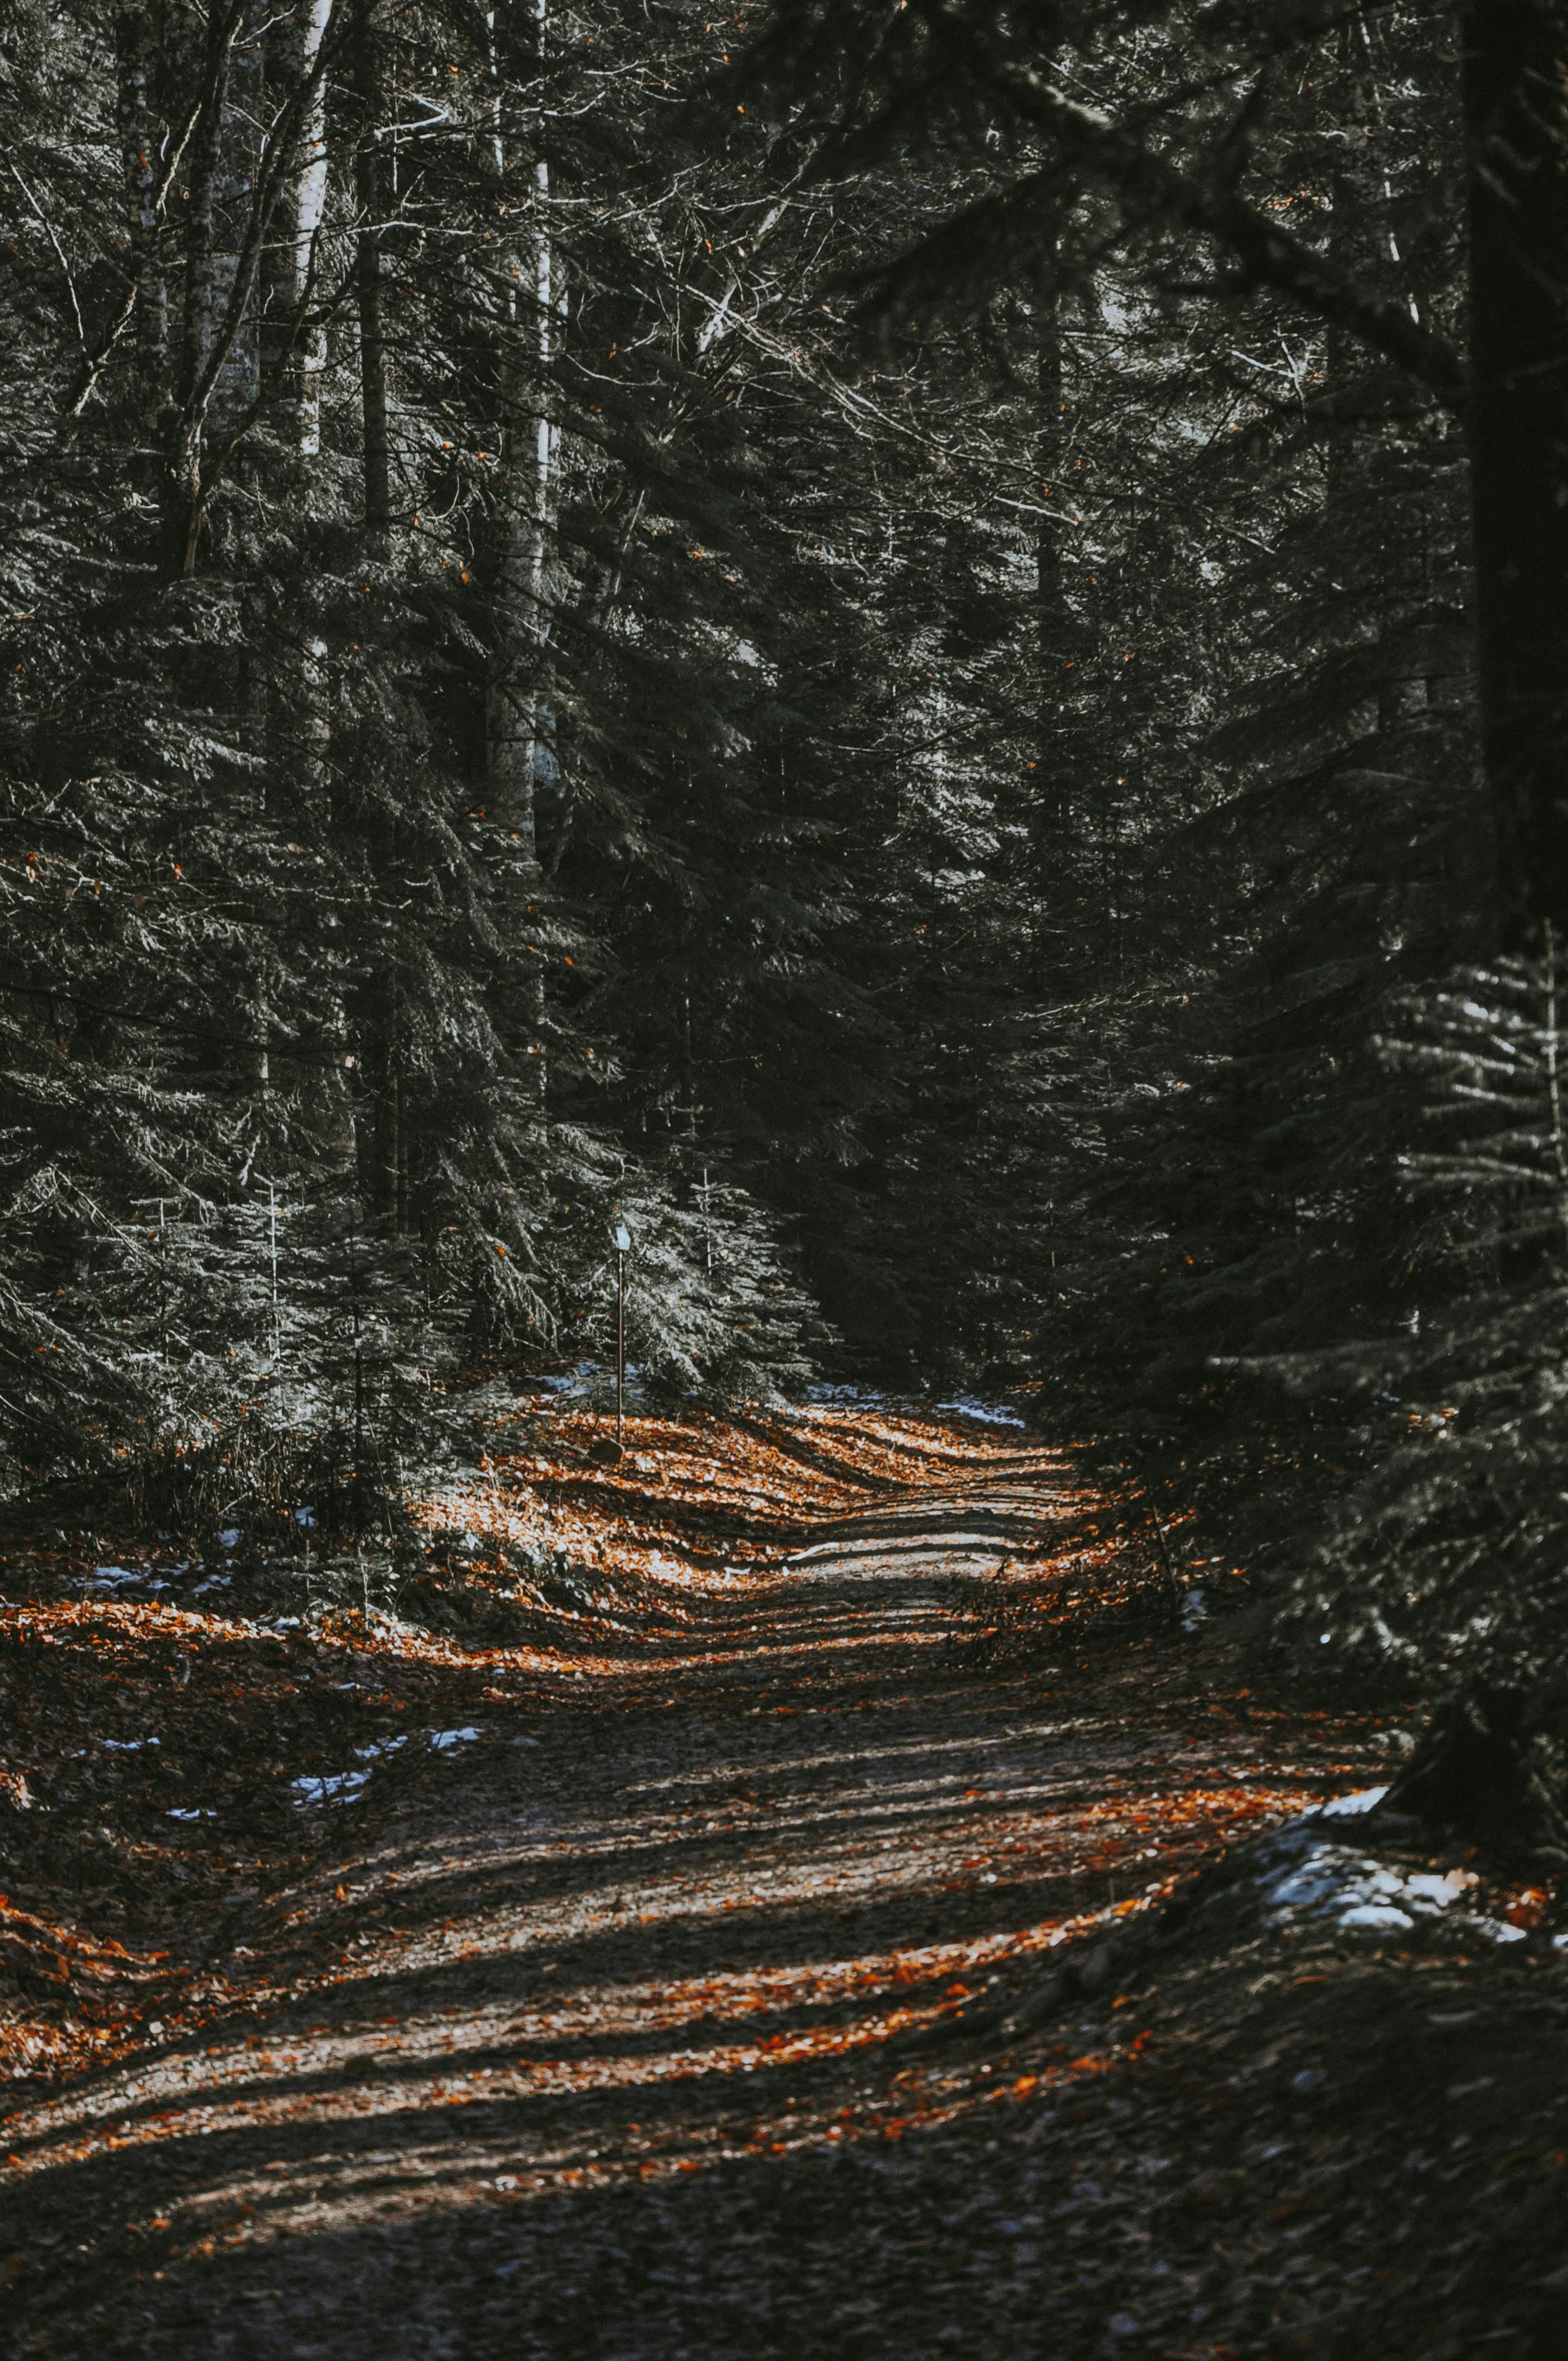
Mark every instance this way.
x=845 y=1792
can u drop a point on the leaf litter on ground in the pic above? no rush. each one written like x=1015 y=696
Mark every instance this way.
x=807 y=1854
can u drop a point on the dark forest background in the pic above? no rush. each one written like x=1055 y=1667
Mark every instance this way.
x=917 y=648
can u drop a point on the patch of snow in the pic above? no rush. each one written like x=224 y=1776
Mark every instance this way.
x=189 y=1812
x=128 y=1745
x=1424 y=1886
x=986 y=1414
x=440 y=1738
x=229 y=1537
x=340 y=1786
x=1194 y=1610
x=1329 y=1880
x=577 y=1380
x=1496 y=1930
x=1307 y=1875
x=1317 y=1880
x=1381 y=1915
x=215 y=1582
x=1345 y=1807
x=383 y=1746
x=306 y=1517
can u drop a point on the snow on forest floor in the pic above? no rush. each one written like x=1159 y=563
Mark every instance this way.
x=796 y=1891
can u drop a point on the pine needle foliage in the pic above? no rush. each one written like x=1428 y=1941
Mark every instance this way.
x=1450 y=1562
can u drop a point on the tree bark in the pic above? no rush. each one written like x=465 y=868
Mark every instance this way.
x=1516 y=109
x=142 y=135
x=517 y=732
x=374 y=391
x=297 y=355
x=183 y=501
x=386 y=1134
x=296 y=343
x=233 y=192
x=1056 y=638
x=1070 y=805
x=237 y=191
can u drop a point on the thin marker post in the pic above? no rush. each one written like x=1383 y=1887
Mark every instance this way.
x=622 y=1248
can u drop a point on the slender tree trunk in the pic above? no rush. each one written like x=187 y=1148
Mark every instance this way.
x=296 y=358
x=201 y=198
x=374 y=391
x=184 y=497
x=385 y=1173
x=518 y=729
x=143 y=134
x=230 y=202
x=236 y=191
x=1057 y=642
x=388 y=1129
x=1360 y=218
x=1069 y=807
x=1516 y=107
x=297 y=342
x=1342 y=96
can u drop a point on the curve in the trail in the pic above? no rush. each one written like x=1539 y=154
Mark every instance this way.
x=614 y=2002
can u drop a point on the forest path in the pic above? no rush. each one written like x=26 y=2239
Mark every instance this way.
x=640 y=2032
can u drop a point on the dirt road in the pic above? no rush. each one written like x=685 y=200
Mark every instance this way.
x=665 y=2015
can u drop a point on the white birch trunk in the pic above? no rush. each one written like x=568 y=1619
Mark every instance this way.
x=518 y=716
x=299 y=344
x=517 y=720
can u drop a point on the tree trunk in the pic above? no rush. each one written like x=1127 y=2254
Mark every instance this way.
x=384 y=1143
x=518 y=725
x=231 y=199
x=386 y=1131
x=296 y=343
x=1070 y=815
x=1494 y=1766
x=235 y=192
x=142 y=133
x=1056 y=646
x=296 y=354
x=374 y=391
x=183 y=516
x=1516 y=109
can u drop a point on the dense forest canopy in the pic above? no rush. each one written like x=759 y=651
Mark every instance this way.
x=917 y=649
